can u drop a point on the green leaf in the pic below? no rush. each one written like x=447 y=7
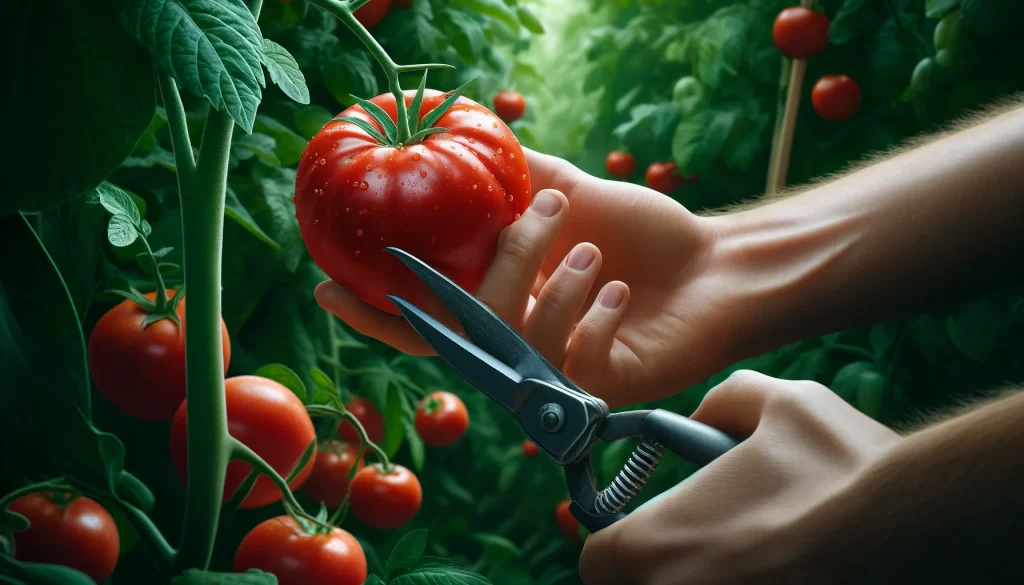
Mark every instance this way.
x=529 y=20
x=465 y=35
x=11 y=521
x=810 y=365
x=416 y=449
x=882 y=337
x=121 y=232
x=435 y=571
x=939 y=8
x=978 y=327
x=497 y=542
x=380 y=116
x=42 y=573
x=74 y=234
x=856 y=18
x=498 y=10
x=849 y=379
x=285 y=72
x=245 y=146
x=289 y=146
x=213 y=48
x=311 y=119
x=276 y=187
x=348 y=74
x=277 y=17
x=373 y=580
x=285 y=376
x=117 y=201
x=699 y=140
x=434 y=115
x=365 y=127
x=237 y=212
x=406 y=553
x=871 y=394
x=322 y=380
x=452 y=487
x=394 y=430
x=198 y=577
x=49 y=158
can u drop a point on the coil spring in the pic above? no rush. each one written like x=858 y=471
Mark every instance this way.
x=634 y=475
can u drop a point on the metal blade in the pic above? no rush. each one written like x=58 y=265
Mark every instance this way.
x=484 y=327
x=490 y=375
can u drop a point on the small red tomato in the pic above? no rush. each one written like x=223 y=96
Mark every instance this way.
x=371 y=13
x=509 y=105
x=441 y=419
x=530 y=449
x=385 y=500
x=800 y=32
x=836 y=97
x=328 y=483
x=664 y=177
x=620 y=164
x=299 y=557
x=142 y=371
x=567 y=523
x=368 y=416
x=79 y=534
x=266 y=417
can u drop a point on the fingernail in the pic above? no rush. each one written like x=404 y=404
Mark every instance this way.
x=611 y=296
x=580 y=258
x=546 y=204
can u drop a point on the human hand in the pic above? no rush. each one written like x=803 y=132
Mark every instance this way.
x=664 y=320
x=733 y=521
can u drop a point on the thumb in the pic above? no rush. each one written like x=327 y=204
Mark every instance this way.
x=735 y=406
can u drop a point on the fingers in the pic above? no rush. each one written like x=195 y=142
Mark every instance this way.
x=560 y=300
x=521 y=250
x=736 y=405
x=590 y=347
x=370 y=321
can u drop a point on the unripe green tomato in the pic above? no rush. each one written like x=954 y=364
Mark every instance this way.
x=926 y=77
x=949 y=31
x=688 y=93
x=953 y=49
x=871 y=394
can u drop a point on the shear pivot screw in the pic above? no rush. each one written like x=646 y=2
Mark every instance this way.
x=552 y=417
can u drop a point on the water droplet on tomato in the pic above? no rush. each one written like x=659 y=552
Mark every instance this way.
x=478 y=124
x=490 y=187
x=511 y=155
x=433 y=239
x=415 y=156
x=474 y=167
x=518 y=216
x=362 y=212
x=423 y=173
x=453 y=148
x=369 y=167
x=524 y=176
x=364 y=185
x=437 y=207
x=494 y=125
x=359 y=233
x=502 y=137
x=471 y=141
x=357 y=252
x=347 y=210
x=474 y=185
x=323 y=161
x=510 y=198
x=499 y=151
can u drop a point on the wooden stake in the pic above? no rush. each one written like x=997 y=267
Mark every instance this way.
x=782 y=145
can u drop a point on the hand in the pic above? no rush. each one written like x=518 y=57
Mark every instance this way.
x=663 y=320
x=732 y=522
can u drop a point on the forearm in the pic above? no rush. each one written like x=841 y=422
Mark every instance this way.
x=944 y=506
x=943 y=219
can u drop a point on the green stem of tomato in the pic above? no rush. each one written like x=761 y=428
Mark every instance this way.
x=202 y=211
x=57 y=483
x=240 y=494
x=164 y=552
x=324 y=410
x=184 y=158
x=161 y=289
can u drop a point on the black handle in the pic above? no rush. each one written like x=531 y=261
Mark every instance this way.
x=694 y=441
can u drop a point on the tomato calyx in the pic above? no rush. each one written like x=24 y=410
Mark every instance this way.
x=420 y=128
x=431 y=405
x=162 y=307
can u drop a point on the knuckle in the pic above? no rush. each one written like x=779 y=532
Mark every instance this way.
x=553 y=300
x=516 y=248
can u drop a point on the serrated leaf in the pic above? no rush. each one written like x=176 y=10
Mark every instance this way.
x=117 y=201
x=250 y=577
x=285 y=72
x=121 y=232
x=407 y=552
x=236 y=211
x=436 y=573
x=394 y=430
x=245 y=146
x=856 y=18
x=466 y=35
x=529 y=20
x=311 y=119
x=416 y=449
x=285 y=376
x=348 y=74
x=213 y=48
x=699 y=140
x=288 y=145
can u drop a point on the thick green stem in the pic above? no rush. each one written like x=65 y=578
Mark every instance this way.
x=202 y=212
x=55 y=484
x=184 y=159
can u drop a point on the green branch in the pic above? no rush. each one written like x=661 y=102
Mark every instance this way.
x=181 y=145
x=164 y=552
x=57 y=483
x=324 y=410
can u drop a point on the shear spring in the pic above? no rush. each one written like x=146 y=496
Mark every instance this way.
x=634 y=475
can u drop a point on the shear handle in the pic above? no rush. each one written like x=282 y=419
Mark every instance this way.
x=694 y=441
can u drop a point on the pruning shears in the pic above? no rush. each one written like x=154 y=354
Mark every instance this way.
x=556 y=414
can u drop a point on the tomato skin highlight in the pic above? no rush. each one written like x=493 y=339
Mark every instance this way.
x=142 y=371
x=83 y=535
x=281 y=547
x=368 y=416
x=328 y=483
x=509 y=105
x=385 y=500
x=800 y=33
x=620 y=165
x=266 y=417
x=664 y=177
x=836 y=97
x=567 y=523
x=373 y=12
x=530 y=449
x=441 y=419
x=445 y=200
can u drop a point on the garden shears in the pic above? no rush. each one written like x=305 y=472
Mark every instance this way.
x=556 y=414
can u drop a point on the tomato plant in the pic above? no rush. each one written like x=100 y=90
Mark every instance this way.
x=74 y=531
x=836 y=97
x=441 y=419
x=368 y=416
x=800 y=32
x=385 y=499
x=266 y=417
x=299 y=556
x=328 y=482
x=620 y=165
x=443 y=196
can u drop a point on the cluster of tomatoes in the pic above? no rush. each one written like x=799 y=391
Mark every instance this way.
x=140 y=368
x=662 y=176
x=801 y=33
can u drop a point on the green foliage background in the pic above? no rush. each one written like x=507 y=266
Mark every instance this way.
x=597 y=75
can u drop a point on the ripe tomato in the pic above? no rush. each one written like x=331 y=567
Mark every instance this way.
x=266 y=417
x=296 y=557
x=441 y=419
x=371 y=13
x=530 y=449
x=800 y=32
x=385 y=500
x=567 y=523
x=836 y=97
x=665 y=177
x=620 y=164
x=142 y=371
x=444 y=200
x=80 y=534
x=509 y=105
x=368 y=416
x=328 y=483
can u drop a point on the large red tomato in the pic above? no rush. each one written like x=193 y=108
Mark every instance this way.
x=141 y=371
x=800 y=32
x=368 y=416
x=441 y=419
x=385 y=500
x=266 y=417
x=445 y=200
x=299 y=557
x=836 y=97
x=79 y=534
x=372 y=13
x=329 y=481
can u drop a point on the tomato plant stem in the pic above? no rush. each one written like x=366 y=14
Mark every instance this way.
x=323 y=410
x=161 y=289
x=202 y=212
x=184 y=158
x=165 y=554
x=57 y=483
